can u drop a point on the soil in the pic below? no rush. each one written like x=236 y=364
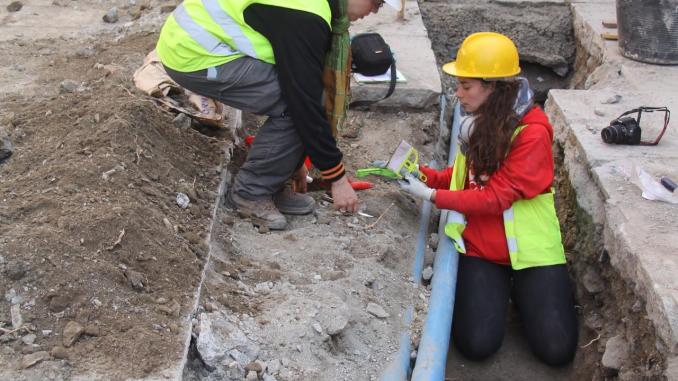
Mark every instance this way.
x=89 y=215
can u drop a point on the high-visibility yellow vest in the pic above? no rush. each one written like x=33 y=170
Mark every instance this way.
x=201 y=34
x=531 y=225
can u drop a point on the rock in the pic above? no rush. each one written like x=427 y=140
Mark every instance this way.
x=561 y=70
x=17 y=319
x=173 y=309
x=182 y=121
x=59 y=302
x=433 y=241
x=85 y=52
x=34 y=358
x=135 y=12
x=598 y=112
x=612 y=100
x=135 y=279
x=254 y=367
x=59 y=352
x=333 y=275
x=92 y=330
x=167 y=8
x=28 y=349
x=273 y=366
x=616 y=353
x=336 y=325
x=291 y=237
x=188 y=189
x=594 y=321
x=15 y=6
x=593 y=283
x=183 y=200
x=316 y=326
x=427 y=274
x=6 y=148
x=68 y=86
x=29 y=339
x=72 y=333
x=262 y=365
x=219 y=338
x=228 y=220
x=111 y=16
x=377 y=310
x=268 y=377
x=251 y=376
x=15 y=271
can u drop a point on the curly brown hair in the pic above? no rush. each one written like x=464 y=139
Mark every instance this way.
x=494 y=126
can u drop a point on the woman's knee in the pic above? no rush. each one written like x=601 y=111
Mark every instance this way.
x=477 y=344
x=556 y=353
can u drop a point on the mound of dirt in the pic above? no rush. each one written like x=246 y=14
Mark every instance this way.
x=97 y=258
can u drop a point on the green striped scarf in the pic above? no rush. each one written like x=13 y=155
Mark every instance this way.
x=337 y=70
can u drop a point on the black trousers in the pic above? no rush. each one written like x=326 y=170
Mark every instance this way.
x=544 y=299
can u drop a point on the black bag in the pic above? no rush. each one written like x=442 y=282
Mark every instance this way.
x=371 y=56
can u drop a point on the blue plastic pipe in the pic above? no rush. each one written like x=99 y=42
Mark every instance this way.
x=424 y=220
x=399 y=368
x=435 y=340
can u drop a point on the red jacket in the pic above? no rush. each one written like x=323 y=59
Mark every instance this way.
x=526 y=172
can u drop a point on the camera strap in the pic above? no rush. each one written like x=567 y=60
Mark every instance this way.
x=640 y=110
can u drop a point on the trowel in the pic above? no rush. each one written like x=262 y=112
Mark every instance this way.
x=404 y=161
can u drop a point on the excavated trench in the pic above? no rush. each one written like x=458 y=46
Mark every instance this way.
x=552 y=58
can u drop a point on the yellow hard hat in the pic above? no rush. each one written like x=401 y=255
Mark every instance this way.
x=485 y=55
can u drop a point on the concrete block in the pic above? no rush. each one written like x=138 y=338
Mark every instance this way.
x=639 y=234
x=414 y=59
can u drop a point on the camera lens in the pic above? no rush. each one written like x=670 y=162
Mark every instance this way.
x=609 y=134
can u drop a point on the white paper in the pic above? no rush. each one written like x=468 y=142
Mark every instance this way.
x=386 y=77
x=650 y=187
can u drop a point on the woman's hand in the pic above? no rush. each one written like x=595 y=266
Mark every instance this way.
x=413 y=186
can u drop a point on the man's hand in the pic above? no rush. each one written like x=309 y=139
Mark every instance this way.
x=413 y=186
x=299 y=183
x=345 y=199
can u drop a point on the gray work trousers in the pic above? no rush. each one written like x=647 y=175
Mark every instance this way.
x=252 y=85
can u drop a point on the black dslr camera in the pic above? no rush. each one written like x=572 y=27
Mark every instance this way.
x=626 y=130
x=622 y=131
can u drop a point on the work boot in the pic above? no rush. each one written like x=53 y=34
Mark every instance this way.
x=262 y=212
x=291 y=202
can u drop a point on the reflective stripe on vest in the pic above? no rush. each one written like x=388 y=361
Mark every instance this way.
x=200 y=35
x=510 y=231
x=456 y=223
x=206 y=33
x=230 y=27
x=541 y=243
